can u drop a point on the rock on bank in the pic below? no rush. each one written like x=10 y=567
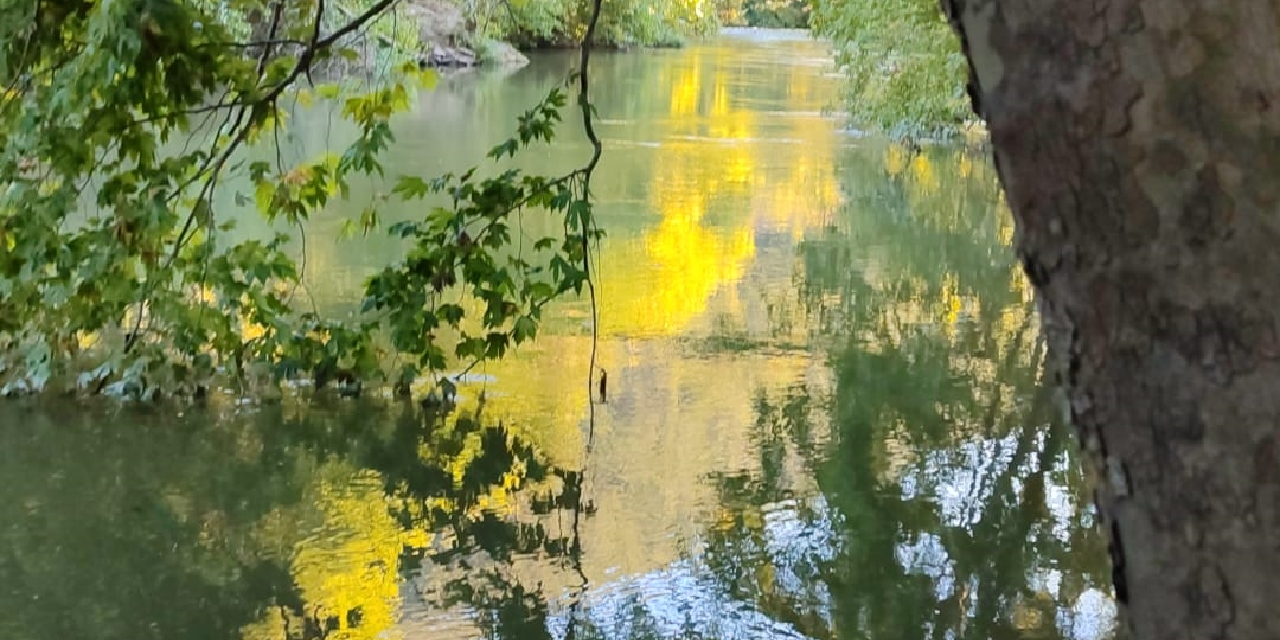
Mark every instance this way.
x=444 y=36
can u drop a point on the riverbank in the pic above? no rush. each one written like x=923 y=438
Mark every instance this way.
x=479 y=33
x=447 y=41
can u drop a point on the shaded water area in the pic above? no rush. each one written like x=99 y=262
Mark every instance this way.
x=823 y=415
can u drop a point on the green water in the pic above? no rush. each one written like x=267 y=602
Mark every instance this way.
x=823 y=415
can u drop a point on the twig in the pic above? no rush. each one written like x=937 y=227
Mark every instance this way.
x=315 y=37
x=271 y=33
x=253 y=44
x=597 y=149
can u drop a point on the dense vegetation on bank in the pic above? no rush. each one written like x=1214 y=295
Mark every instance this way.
x=765 y=14
x=559 y=23
x=531 y=24
x=904 y=68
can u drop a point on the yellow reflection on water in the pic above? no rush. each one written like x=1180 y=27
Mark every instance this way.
x=685 y=90
x=344 y=549
x=724 y=168
x=672 y=416
x=658 y=285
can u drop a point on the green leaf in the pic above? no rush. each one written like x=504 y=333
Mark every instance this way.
x=451 y=313
x=411 y=187
x=525 y=329
x=348 y=230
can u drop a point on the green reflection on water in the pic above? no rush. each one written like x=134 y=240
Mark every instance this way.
x=224 y=525
x=947 y=492
x=824 y=416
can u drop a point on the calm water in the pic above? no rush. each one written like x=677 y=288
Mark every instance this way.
x=823 y=418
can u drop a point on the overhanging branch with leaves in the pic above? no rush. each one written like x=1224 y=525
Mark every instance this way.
x=138 y=292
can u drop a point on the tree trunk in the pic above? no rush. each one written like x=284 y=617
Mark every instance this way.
x=1138 y=142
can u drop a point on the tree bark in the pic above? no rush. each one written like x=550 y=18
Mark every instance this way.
x=1138 y=142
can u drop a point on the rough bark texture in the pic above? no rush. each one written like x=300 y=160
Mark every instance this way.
x=1139 y=145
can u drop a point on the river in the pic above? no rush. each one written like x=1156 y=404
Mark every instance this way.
x=824 y=417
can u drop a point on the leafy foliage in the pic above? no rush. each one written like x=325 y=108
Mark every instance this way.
x=905 y=68
x=768 y=14
x=119 y=120
x=564 y=22
x=467 y=241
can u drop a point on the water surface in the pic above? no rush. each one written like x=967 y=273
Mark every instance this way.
x=823 y=416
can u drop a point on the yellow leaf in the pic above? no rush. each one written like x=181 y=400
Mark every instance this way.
x=399 y=98
x=263 y=195
x=427 y=78
x=297 y=176
x=348 y=229
x=330 y=160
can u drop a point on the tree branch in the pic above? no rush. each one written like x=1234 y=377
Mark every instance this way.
x=255 y=111
x=597 y=149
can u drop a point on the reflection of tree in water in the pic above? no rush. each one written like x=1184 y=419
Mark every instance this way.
x=948 y=503
x=930 y=493
x=460 y=481
x=262 y=525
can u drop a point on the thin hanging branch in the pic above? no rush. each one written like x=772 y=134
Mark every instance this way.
x=597 y=149
x=584 y=102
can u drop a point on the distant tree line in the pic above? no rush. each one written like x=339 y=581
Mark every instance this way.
x=767 y=14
